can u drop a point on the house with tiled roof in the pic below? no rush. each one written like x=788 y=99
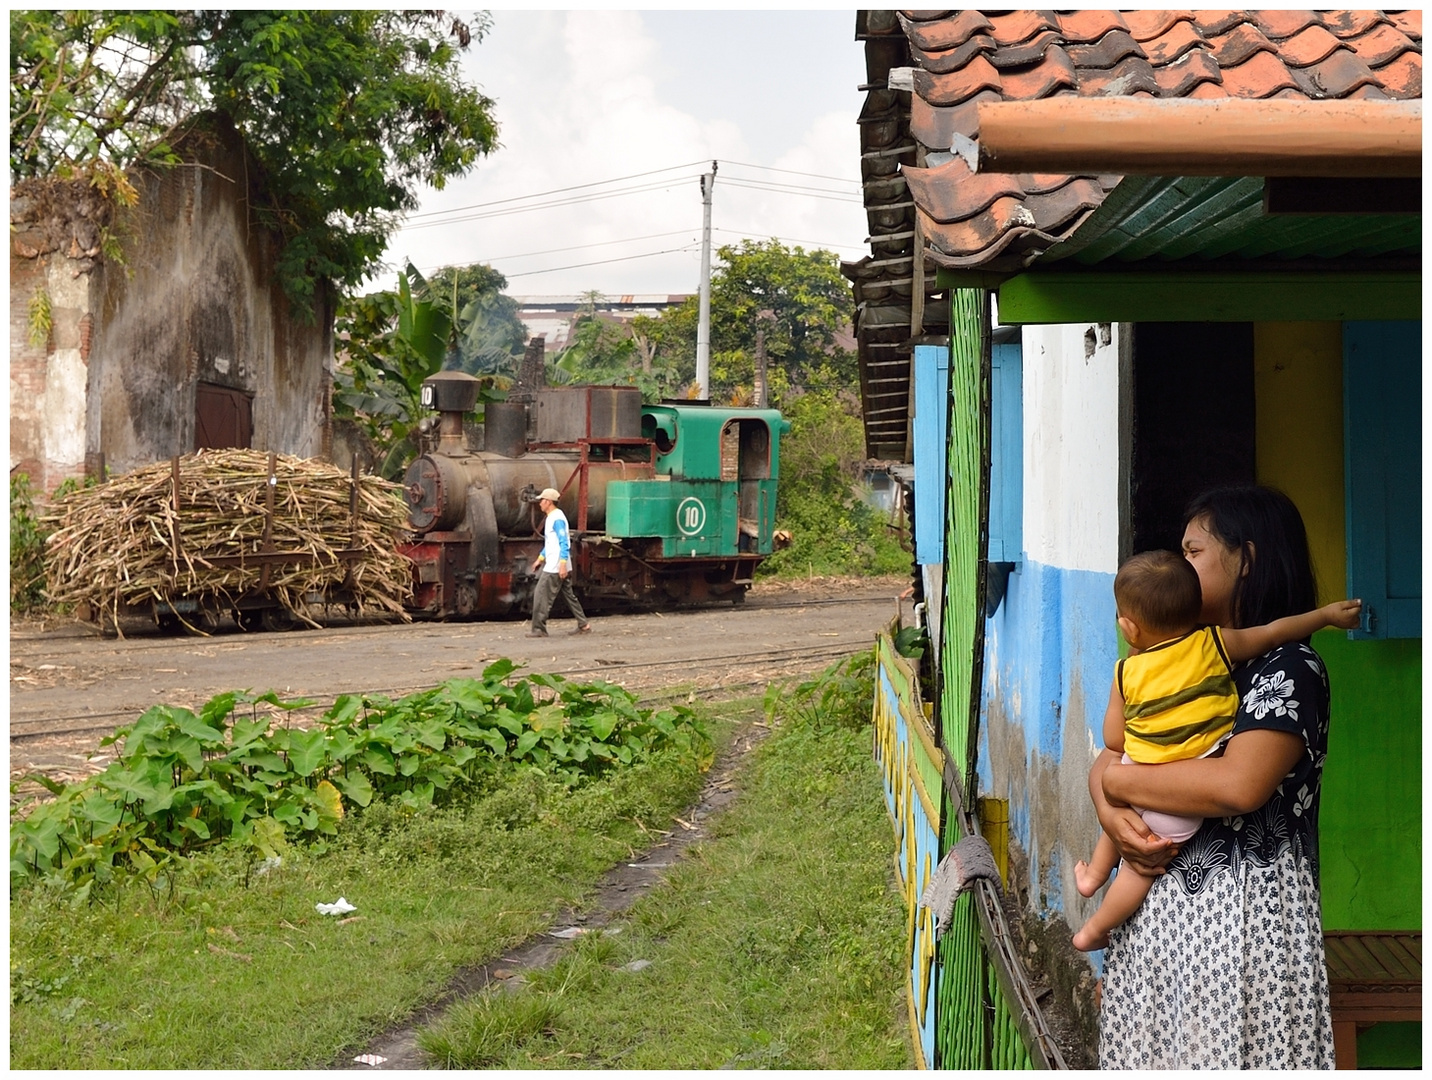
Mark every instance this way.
x=1118 y=258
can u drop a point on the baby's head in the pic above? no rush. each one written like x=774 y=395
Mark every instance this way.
x=1158 y=597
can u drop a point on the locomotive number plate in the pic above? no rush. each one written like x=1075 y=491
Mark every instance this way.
x=691 y=516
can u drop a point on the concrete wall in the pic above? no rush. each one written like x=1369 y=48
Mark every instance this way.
x=196 y=301
x=1051 y=646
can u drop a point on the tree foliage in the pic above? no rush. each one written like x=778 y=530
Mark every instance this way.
x=796 y=297
x=489 y=335
x=346 y=113
x=834 y=531
x=390 y=342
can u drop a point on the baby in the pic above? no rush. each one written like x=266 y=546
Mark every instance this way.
x=1173 y=699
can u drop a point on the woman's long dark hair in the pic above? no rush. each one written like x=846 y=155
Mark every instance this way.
x=1266 y=530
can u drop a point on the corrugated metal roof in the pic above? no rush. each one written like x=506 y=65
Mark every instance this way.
x=1198 y=217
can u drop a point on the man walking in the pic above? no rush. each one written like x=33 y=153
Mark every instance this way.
x=555 y=563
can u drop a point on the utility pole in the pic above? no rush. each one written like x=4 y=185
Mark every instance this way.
x=761 y=369
x=703 y=321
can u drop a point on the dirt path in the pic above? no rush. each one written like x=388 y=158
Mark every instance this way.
x=69 y=687
x=617 y=891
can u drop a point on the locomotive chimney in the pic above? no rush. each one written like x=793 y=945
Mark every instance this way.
x=452 y=394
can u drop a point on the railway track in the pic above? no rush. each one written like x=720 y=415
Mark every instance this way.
x=53 y=648
x=28 y=728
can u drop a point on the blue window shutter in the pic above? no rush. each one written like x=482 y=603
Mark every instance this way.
x=1006 y=477
x=932 y=413
x=1382 y=444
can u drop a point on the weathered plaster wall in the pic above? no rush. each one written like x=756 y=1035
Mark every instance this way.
x=196 y=301
x=1051 y=646
x=54 y=239
x=1071 y=446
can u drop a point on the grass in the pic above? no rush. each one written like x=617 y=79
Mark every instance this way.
x=777 y=943
x=208 y=972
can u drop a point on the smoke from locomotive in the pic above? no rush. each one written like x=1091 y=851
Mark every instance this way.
x=668 y=504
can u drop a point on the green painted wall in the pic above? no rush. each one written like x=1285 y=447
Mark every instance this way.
x=1371 y=824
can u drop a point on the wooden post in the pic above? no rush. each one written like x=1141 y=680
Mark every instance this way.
x=270 y=482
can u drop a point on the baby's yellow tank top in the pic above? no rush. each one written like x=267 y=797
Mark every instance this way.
x=1179 y=698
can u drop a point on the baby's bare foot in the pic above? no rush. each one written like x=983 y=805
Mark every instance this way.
x=1086 y=880
x=1088 y=939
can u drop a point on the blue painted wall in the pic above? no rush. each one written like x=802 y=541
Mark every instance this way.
x=1050 y=654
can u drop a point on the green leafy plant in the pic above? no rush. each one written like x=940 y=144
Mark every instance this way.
x=183 y=782
x=27 y=547
x=41 y=318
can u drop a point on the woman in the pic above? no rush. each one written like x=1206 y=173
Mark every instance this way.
x=1223 y=965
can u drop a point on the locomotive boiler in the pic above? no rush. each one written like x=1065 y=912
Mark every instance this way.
x=667 y=504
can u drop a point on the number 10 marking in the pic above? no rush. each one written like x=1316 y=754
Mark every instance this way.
x=690 y=516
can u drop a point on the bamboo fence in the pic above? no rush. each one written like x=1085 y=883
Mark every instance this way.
x=220 y=526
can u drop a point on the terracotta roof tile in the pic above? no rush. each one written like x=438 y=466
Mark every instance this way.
x=936 y=126
x=1180 y=77
x=974 y=235
x=1131 y=77
x=1173 y=43
x=1147 y=25
x=1278 y=24
x=1352 y=23
x=1383 y=43
x=1409 y=22
x=945 y=33
x=950 y=192
x=1310 y=45
x=1236 y=46
x=1212 y=23
x=943 y=61
x=957 y=86
x=968 y=57
x=1261 y=76
x=1107 y=51
x=1026 y=52
x=1081 y=26
x=1340 y=74
x=1402 y=78
x=1207 y=91
x=1039 y=82
x=1369 y=93
x=1016 y=26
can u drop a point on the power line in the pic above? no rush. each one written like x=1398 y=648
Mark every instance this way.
x=600 y=262
x=785 y=191
x=577 y=247
x=793 y=172
x=557 y=191
x=660 y=185
x=789 y=239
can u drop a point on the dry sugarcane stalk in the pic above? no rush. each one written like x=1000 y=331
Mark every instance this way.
x=123 y=543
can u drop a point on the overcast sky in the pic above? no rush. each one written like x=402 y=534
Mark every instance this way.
x=588 y=97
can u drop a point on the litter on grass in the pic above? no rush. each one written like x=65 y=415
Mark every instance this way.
x=636 y=965
x=338 y=907
x=370 y=1059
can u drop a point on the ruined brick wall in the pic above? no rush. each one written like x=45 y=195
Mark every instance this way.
x=196 y=301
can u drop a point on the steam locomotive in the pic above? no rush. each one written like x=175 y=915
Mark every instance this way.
x=667 y=504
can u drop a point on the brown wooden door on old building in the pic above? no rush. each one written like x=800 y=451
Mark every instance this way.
x=223 y=418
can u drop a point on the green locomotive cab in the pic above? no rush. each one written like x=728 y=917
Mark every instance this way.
x=714 y=493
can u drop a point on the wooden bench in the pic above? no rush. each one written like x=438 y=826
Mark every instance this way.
x=1374 y=976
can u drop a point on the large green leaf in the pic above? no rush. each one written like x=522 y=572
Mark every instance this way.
x=356 y=787
x=306 y=750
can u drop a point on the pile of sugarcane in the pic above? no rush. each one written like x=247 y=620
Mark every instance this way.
x=215 y=526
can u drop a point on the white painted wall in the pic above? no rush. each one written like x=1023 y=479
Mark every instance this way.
x=1071 y=447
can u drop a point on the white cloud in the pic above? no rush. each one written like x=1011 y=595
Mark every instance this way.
x=583 y=97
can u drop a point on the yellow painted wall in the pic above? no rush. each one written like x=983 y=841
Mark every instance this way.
x=1370 y=826
x=1298 y=382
